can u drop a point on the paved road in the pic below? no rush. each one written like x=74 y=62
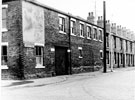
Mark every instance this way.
x=119 y=85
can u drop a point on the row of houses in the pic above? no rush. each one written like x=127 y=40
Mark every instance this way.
x=40 y=41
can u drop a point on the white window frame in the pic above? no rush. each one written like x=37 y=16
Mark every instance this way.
x=63 y=16
x=74 y=20
x=94 y=38
x=4 y=44
x=4 y=6
x=80 y=48
x=102 y=34
x=39 y=65
x=87 y=31
x=101 y=51
x=80 y=29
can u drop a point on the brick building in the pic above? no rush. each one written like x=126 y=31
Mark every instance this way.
x=120 y=44
x=40 y=41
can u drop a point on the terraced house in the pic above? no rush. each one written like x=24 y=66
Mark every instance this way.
x=40 y=41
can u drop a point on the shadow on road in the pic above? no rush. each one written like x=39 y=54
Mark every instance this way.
x=19 y=83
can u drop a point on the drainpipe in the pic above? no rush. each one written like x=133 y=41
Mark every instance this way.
x=69 y=51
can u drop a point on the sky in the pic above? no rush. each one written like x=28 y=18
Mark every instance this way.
x=120 y=12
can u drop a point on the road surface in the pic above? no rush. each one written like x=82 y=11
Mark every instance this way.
x=119 y=85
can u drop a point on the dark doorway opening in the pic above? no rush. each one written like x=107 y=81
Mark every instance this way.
x=61 y=60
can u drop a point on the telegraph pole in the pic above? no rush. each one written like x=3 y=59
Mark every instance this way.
x=104 y=21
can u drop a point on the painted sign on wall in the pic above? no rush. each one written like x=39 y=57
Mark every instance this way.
x=33 y=24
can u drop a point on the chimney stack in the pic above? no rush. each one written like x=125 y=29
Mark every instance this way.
x=108 y=26
x=100 y=21
x=119 y=30
x=113 y=28
x=90 y=17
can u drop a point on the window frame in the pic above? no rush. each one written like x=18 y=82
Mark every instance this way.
x=42 y=55
x=101 y=54
x=4 y=44
x=5 y=6
x=80 y=52
x=81 y=24
x=95 y=36
x=64 y=26
x=74 y=26
x=90 y=31
x=100 y=31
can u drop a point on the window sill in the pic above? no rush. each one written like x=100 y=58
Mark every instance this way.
x=4 y=30
x=82 y=36
x=62 y=32
x=73 y=34
x=4 y=67
x=100 y=41
x=95 y=40
x=89 y=38
x=39 y=66
x=80 y=57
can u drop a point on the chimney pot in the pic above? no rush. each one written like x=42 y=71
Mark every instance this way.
x=89 y=13
x=98 y=17
x=101 y=18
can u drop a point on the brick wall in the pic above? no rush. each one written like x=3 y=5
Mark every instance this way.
x=14 y=38
x=22 y=60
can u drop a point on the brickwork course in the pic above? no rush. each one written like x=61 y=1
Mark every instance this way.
x=37 y=48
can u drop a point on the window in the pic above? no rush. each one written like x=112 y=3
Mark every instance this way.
x=95 y=34
x=114 y=42
x=80 y=52
x=62 y=24
x=131 y=59
x=107 y=40
x=107 y=57
x=4 y=17
x=101 y=54
x=121 y=44
x=121 y=55
x=39 y=55
x=131 y=46
x=88 y=32
x=115 y=58
x=4 y=55
x=81 y=30
x=100 y=35
x=72 y=27
x=126 y=45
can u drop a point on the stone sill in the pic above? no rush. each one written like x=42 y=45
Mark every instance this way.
x=4 y=30
x=62 y=32
x=72 y=34
x=39 y=66
x=4 y=67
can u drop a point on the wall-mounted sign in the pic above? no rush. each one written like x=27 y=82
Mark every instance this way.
x=33 y=24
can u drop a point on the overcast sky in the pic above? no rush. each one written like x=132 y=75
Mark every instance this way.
x=120 y=12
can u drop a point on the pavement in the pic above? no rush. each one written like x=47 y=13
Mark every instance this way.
x=54 y=80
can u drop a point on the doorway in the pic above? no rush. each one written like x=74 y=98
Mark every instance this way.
x=61 y=60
